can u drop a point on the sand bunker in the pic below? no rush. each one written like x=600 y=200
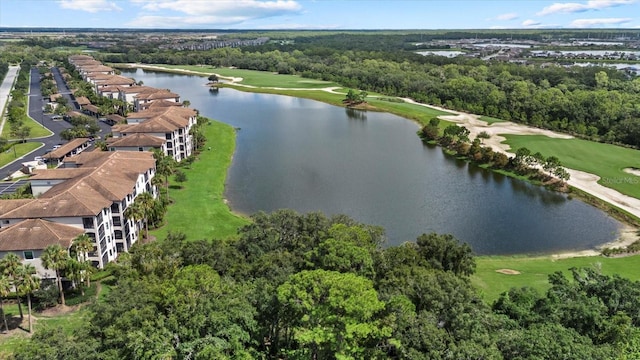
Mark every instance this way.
x=632 y=171
x=508 y=271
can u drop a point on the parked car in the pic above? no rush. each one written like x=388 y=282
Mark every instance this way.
x=39 y=159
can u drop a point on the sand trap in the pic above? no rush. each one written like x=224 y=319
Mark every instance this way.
x=632 y=171
x=508 y=271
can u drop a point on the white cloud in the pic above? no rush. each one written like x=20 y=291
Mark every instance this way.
x=210 y=13
x=582 y=23
x=497 y=27
x=582 y=7
x=508 y=16
x=250 y=8
x=92 y=6
x=530 y=22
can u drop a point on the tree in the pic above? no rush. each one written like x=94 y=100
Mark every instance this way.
x=10 y=266
x=332 y=315
x=134 y=212
x=180 y=176
x=483 y=135
x=5 y=290
x=82 y=244
x=55 y=257
x=165 y=166
x=146 y=202
x=444 y=252
x=21 y=132
x=28 y=283
x=213 y=78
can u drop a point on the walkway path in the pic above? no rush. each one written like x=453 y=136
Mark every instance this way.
x=5 y=90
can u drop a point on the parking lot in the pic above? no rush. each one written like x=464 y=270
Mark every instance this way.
x=11 y=187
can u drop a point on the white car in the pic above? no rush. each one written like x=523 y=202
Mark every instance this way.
x=38 y=159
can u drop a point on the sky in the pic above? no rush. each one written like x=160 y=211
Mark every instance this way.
x=320 y=14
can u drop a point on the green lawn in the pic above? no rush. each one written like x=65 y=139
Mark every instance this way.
x=604 y=160
x=20 y=150
x=490 y=120
x=419 y=113
x=257 y=78
x=68 y=323
x=534 y=271
x=199 y=209
x=37 y=130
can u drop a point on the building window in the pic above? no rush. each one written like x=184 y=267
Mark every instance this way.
x=140 y=149
x=5 y=221
x=87 y=223
x=28 y=255
x=117 y=234
x=168 y=136
x=116 y=221
x=115 y=208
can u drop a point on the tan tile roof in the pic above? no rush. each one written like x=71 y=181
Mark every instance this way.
x=173 y=111
x=82 y=100
x=66 y=148
x=10 y=205
x=37 y=234
x=116 y=80
x=136 y=140
x=161 y=103
x=59 y=173
x=139 y=89
x=95 y=68
x=99 y=76
x=116 y=118
x=111 y=176
x=91 y=108
x=53 y=97
x=157 y=95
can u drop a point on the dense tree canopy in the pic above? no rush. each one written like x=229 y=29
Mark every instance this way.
x=305 y=286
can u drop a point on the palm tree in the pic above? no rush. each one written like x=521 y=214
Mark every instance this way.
x=10 y=265
x=165 y=166
x=55 y=257
x=145 y=205
x=5 y=290
x=74 y=270
x=82 y=245
x=27 y=284
x=134 y=212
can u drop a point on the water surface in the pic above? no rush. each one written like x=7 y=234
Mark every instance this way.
x=310 y=156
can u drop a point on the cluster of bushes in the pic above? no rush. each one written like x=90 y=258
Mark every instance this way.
x=533 y=166
x=17 y=107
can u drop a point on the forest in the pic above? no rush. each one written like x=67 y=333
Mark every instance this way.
x=306 y=286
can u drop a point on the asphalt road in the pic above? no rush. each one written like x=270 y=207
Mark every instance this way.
x=36 y=106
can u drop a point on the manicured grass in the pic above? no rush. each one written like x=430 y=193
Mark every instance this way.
x=604 y=160
x=20 y=150
x=258 y=78
x=421 y=114
x=490 y=120
x=199 y=209
x=535 y=271
x=37 y=130
x=68 y=323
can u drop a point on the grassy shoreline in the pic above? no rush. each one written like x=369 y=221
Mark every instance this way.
x=204 y=192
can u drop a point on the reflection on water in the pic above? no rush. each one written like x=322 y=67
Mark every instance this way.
x=354 y=114
x=309 y=156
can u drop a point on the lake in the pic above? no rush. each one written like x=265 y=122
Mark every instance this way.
x=309 y=156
